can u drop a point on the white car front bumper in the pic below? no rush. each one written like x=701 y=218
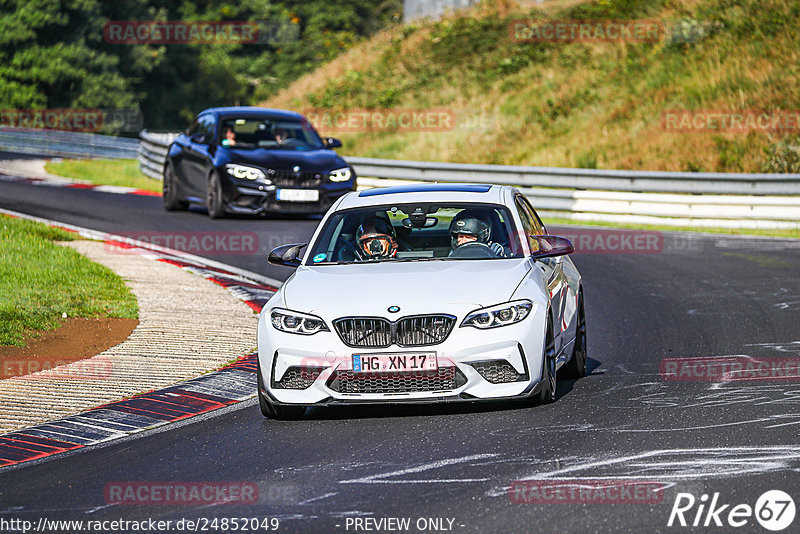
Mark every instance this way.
x=321 y=364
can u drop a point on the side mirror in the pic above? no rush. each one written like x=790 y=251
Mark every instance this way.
x=201 y=138
x=551 y=245
x=332 y=142
x=286 y=255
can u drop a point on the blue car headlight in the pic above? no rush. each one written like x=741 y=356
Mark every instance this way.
x=245 y=172
x=296 y=322
x=500 y=315
x=340 y=175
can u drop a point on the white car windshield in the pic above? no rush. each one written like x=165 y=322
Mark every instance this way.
x=418 y=232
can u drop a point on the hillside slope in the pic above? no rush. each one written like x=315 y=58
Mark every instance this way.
x=576 y=104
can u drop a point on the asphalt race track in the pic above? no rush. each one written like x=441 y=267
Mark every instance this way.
x=697 y=296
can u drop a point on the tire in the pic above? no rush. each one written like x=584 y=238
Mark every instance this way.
x=576 y=366
x=214 y=204
x=273 y=411
x=548 y=393
x=169 y=191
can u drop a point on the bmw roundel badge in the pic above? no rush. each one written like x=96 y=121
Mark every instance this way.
x=393 y=309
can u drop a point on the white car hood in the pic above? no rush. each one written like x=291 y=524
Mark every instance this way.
x=454 y=287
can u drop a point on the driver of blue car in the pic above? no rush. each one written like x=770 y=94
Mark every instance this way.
x=468 y=227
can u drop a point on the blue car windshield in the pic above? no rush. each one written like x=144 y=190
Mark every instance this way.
x=248 y=133
x=402 y=233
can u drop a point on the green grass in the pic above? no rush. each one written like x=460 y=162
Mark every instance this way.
x=40 y=280
x=789 y=233
x=124 y=172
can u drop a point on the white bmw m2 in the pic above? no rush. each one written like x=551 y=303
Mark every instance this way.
x=422 y=293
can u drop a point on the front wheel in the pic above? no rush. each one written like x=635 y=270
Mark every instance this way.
x=214 y=202
x=273 y=411
x=548 y=393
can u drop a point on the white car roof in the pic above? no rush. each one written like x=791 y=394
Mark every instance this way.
x=435 y=192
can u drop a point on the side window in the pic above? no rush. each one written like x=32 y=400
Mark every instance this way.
x=537 y=222
x=528 y=225
x=203 y=125
x=206 y=124
x=192 y=129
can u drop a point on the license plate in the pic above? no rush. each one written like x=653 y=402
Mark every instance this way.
x=298 y=195
x=393 y=363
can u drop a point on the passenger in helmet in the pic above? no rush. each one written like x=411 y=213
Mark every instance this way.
x=469 y=227
x=376 y=239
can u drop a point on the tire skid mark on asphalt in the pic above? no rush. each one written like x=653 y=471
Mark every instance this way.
x=217 y=389
x=391 y=476
x=670 y=466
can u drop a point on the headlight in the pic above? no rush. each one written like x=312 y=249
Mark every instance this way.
x=243 y=172
x=296 y=322
x=500 y=315
x=341 y=175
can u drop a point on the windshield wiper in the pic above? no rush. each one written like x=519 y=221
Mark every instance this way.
x=420 y=258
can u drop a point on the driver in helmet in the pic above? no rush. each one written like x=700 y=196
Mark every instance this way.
x=375 y=238
x=467 y=227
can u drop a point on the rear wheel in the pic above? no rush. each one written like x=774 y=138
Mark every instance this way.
x=169 y=191
x=214 y=197
x=273 y=411
x=550 y=383
x=576 y=367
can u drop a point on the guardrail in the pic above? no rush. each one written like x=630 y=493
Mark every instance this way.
x=153 y=151
x=734 y=200
x=66 y=144
x=596 y=179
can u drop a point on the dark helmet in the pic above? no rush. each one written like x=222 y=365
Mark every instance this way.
x=470 y=224
x=376 y=238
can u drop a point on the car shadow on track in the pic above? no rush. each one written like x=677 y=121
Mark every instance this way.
x=565 y=385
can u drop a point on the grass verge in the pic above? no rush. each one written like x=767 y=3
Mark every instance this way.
x=123 y=172
x=40 y=281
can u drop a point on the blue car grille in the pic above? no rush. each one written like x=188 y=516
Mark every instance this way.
x=287 y=178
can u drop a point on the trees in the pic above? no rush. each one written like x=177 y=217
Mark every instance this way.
x=53 y=53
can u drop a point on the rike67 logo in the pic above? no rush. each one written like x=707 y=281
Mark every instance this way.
x=774 y=510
